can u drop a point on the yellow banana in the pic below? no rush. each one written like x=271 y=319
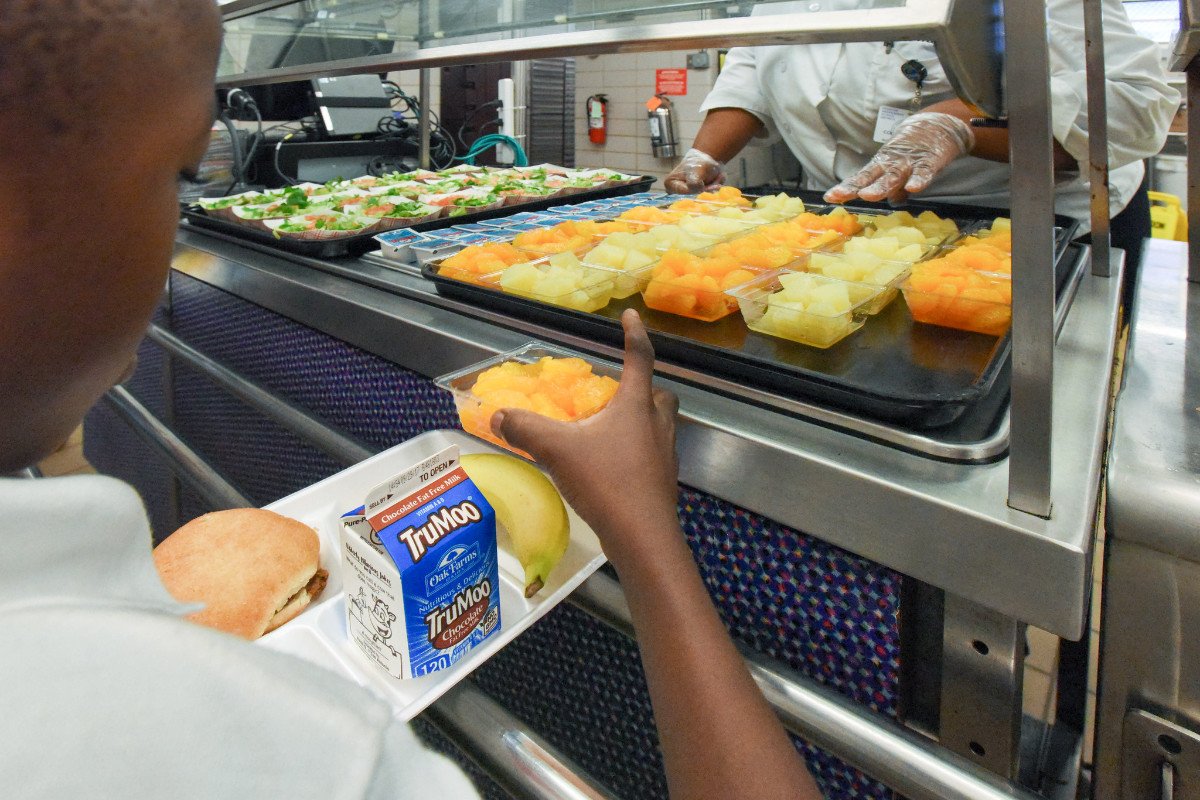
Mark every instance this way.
x=528 y=508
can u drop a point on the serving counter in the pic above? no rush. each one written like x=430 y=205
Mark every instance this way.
x=898 y=577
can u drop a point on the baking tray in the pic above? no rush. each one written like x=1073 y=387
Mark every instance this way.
x=360 y=243
x=893 y=369
x=319 y=635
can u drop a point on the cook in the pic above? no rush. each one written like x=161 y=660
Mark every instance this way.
x=845 y=111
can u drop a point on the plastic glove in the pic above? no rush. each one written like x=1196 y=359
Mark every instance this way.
x=922 y=146
x=697 y=172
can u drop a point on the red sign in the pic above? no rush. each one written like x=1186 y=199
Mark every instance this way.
x=670 y=81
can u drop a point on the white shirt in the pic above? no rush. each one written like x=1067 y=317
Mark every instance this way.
x=823 y=101
x=107 y=693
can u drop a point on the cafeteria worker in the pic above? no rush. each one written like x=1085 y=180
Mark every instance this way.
x=880 y=121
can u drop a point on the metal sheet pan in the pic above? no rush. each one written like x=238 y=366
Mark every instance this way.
x=893 y=369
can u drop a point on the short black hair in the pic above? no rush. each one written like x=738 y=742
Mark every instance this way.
x=61 y=59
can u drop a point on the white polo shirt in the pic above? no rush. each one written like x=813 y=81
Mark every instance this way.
x=106 y=693
x=823 y=101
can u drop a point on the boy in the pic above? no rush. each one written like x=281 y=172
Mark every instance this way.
x=106 y=691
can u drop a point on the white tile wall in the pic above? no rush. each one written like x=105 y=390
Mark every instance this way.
x=628 y=81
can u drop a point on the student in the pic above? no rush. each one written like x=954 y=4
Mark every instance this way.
x=106 y=692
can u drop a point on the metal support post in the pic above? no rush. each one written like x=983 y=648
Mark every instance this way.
x=1031 y=155
x=1193 y=169
x=423 y=120
x=983 y=665
x=1097 y=104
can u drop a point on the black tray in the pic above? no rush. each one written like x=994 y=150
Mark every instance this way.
x=892 y=369
x=360 y=243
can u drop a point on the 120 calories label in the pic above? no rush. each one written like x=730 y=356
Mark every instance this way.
x=423 y=580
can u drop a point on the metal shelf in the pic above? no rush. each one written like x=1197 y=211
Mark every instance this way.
x=964 y=33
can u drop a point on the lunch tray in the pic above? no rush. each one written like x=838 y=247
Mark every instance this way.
x=360 y=243
x=893 y=369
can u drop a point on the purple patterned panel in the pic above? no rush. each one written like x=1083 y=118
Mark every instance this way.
x=363 y=395
x=822 y=611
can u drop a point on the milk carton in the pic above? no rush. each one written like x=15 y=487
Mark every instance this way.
x=421 y=573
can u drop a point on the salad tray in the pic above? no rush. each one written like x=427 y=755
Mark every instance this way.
x=359 y=243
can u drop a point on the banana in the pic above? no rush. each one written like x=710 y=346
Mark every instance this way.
x=528 y=508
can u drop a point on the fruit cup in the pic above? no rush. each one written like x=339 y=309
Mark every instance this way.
x=805 y=308
x=694 y=286
x=941 y=292
x=559 y=280
x=863 y=268
x=481 y=263
x=540 y=378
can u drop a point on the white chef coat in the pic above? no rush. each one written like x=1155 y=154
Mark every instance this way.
x=106 y=693
x=823 y=101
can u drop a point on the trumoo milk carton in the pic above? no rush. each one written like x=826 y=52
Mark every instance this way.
x=421 y=573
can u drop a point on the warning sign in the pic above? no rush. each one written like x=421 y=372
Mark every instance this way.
x=670 y=81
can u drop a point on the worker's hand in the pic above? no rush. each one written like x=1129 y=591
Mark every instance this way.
x=697 y=172
x=922 y=146
x=617 y=468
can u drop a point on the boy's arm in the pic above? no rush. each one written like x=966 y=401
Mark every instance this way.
x=618 y=470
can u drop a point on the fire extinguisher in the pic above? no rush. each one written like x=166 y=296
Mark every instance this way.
x=662 y=127
x=597 y=116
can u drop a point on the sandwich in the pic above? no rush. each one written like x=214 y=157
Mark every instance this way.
x=252 y=569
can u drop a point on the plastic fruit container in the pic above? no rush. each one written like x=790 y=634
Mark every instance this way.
x=805 y=308
x=862 y=268
x=480 y=264
x=958 y=297
x=558 y=282
x=693 y=286
x=573 y=389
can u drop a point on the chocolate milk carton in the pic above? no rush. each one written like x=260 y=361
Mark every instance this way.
x=421 y=573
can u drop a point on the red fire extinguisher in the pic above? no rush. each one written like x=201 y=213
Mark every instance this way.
x=597 y=116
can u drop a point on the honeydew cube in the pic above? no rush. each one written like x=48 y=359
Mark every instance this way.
x=832 y=296
x=608 y=255
x=844 y=270
x=797 y=281
x=520 y=277
x=1001 y=224
x=910 y=253
x=885 y=273
x=564 y=260
x=635 y=259
x=907 y=234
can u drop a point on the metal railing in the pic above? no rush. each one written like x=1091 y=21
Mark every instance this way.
x=914 y=766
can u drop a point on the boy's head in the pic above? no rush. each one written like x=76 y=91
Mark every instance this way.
x=103 y=103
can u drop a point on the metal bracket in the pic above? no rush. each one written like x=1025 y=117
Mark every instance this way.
x=983 y=669
x=1159 y=759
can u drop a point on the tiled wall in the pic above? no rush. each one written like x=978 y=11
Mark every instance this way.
x=628 y=81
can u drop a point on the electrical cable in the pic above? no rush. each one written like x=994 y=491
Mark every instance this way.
x=275 y=160
x=235 y=148
x=471 y=117
x=491 y=140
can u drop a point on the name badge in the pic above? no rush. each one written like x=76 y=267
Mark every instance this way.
x=885 y=124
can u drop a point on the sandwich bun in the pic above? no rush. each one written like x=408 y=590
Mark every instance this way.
x=252 y=569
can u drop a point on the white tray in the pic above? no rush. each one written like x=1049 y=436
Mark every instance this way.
x=319 y=633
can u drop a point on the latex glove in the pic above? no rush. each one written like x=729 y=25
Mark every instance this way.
x=616 y=468
x=697 y=172
x=922 y=146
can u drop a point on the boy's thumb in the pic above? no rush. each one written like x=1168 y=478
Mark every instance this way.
x=522 y=429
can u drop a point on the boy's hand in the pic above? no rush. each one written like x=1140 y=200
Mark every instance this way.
x=618 y=468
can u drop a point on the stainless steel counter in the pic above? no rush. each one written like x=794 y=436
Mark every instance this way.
x=1154 y=470
x=1149 y=676
x=947 y=524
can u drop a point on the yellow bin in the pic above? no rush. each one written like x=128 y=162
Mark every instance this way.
x=1167 y=217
